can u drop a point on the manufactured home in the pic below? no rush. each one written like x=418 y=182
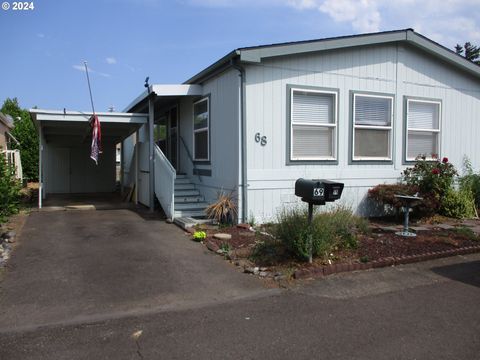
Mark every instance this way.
x=355 y=109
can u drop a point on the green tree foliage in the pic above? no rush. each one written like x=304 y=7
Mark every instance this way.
x=25 y=132
x=469 y=51
x=9 y=190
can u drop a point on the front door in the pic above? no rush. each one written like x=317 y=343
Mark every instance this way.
x=166 y=135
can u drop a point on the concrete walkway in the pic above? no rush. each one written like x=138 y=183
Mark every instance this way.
x=83 y=266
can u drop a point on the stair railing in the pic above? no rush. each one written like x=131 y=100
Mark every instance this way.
x=13 y=159
x=165 y=176
x=190 y=157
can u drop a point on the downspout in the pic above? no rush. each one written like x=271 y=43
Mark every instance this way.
x=243 y=152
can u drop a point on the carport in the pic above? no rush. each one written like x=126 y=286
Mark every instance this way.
x=65 y=166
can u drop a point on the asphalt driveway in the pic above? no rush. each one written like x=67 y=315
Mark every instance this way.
x=83 y=266
x=82 y=282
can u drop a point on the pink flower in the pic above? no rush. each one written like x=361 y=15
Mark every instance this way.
x=435 y=171
x=445 y=160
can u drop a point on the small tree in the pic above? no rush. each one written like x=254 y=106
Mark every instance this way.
x=24 y=131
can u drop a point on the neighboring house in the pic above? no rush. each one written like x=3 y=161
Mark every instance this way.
x=6 y=138
x=6 y=124
x=354 y=109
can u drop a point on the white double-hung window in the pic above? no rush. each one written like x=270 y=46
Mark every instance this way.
x=372 y=127
x=313 y=124
x=423 y=128
x=201 y=123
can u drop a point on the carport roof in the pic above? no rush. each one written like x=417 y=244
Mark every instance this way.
x=164 y=91
x=74 y=126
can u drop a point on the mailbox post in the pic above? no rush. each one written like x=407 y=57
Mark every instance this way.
x=316 y=192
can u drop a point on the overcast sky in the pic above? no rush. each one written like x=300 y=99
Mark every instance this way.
x=43 y=49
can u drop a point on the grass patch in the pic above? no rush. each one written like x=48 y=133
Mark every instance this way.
x=466 y=232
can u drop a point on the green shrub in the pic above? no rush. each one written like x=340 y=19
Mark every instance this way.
x=9 y=190
x=335 y=229
x=470 y=181
x=199 y=235
x=384 y=194
x=458 y=204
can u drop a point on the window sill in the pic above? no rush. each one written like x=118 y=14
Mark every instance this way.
x=312 y=162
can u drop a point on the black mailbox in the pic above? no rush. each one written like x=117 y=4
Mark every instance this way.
x=317 y=192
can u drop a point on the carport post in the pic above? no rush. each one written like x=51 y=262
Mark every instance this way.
x=151 y=185
x=137 y=170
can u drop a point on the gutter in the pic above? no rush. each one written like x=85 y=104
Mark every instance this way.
x=243 y=128
x=13 y=138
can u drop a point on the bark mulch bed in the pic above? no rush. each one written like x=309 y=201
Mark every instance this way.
x=258 y=253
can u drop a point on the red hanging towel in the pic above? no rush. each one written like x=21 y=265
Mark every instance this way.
x=96 y=148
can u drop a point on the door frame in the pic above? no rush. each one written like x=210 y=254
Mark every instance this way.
x=169 y=129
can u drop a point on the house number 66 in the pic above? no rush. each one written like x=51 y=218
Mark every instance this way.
x=260 y=139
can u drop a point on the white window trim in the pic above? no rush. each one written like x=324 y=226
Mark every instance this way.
x=430 y=131
x=333 y=125
x=373 y=127
x=207 y=128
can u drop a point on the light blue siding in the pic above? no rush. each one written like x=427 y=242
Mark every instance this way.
x=224 y=136
x=398 y=70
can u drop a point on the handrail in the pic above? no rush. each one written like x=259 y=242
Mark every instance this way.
x=13 y=159
x=164 y=186
x=190 y=157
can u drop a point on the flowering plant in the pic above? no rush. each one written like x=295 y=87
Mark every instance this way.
x=433 y=176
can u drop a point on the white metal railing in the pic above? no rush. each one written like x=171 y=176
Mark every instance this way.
x=165 y=176
x=13 y=158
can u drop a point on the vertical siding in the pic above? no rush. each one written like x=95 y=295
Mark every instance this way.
x=224 y=135
x=69 y=169
x=400 y=71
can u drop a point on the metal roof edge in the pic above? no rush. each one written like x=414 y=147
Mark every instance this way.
x=443 y=52
x=213 y=67
x=138 y=99
x=257 y=53
x=84 y=113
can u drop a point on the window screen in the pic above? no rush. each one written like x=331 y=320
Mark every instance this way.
x=313 y=125
x=372 y=127
x=201 y=123
x=423 y=128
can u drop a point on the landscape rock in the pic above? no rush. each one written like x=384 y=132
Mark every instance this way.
x=263 y=273
x=241 y=263
x=9 y=235
x=219 y=252
x=244 y=226
x=243 y=252
x=279 y=277
x=222 y=236
x=251 y=270
x=212 y=246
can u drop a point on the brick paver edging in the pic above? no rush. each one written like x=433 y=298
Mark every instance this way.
x=391 y=261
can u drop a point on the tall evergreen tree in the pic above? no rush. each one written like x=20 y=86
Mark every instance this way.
x=469 y=51
x=24 y=131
